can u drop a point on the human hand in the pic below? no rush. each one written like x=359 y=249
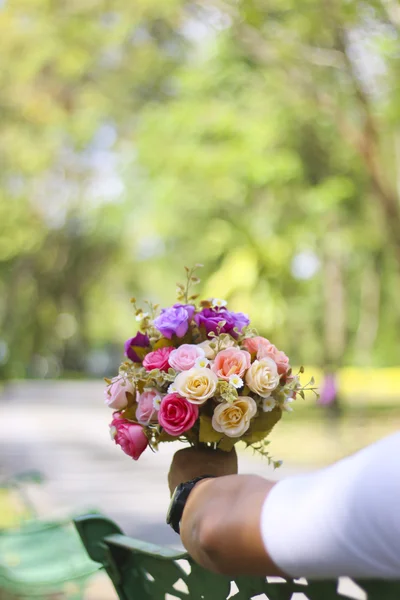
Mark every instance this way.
x=189 y=463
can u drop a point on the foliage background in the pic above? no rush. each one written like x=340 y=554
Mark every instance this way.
x=259 y=138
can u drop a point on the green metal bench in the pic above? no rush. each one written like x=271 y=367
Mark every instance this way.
x=41 y=560
x=141 y=571
x=15 y=503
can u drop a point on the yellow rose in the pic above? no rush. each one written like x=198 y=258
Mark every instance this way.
x=263 y=377
x=233 y=418
x=196 y=385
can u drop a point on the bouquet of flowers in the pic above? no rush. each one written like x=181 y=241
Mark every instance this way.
x=199 y=373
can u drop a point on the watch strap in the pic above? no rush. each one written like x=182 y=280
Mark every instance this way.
x=180 y=497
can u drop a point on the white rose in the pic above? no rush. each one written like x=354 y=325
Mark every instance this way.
x=208 y=351
x=263 y=377
x=196 y=385
x=223 y=342
x=233 y=418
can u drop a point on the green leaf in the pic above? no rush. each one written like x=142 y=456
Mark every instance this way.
x=207 y=432
x=130 y=412
x=162 y=343
x=165 y=437
x=261 y=425
x=140 y=351
x=227 y=443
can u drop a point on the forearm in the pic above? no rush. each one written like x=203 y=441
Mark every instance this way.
x=220 y=527
x=344 y=520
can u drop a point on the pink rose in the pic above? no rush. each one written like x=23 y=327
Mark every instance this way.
x=146 y=411
x=116 y=393
x=158 y=359
x=129 y=436
x=176 y=414
x=255 y=343
x=184 y=357
x=231 y=362
x=271 y=351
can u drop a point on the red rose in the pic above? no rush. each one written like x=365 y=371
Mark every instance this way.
x=158 y=359
x=176 y=414
x=129 y=436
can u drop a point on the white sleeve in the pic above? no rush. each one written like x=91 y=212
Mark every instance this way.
x=343 y=520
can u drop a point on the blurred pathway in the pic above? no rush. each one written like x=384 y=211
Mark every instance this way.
x=62 y=430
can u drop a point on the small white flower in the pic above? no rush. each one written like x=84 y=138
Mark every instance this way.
x=295 y=381
x=172 y=389
x=141 y=316
x=202 y=362
x=286 y=405
x=157 y=402
x=236 y=381
x=268 y=404
x=218 y=303
x=113 y=432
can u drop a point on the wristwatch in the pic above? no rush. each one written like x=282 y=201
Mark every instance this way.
x=178 y=501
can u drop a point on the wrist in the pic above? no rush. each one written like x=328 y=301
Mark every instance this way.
x=179 y=499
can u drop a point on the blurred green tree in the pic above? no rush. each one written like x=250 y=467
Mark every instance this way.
x=280 y=148
x=259 y=138
x=73 y=77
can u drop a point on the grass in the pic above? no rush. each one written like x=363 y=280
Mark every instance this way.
x=370 y=400
x=307 y=436
x=12 y=510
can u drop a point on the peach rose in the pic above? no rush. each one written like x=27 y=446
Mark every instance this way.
x=279 y=357
x=231 y=362
x=263 y=377
x=196 y=385
x=233 y=418
x=254 y=344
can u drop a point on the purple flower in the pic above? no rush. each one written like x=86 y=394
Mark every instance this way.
x=133 y=345
x=329 y=390
x=174 y=320
x=210 y=317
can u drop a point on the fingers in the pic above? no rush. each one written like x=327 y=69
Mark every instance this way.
x=189 y=463
x=171 y=483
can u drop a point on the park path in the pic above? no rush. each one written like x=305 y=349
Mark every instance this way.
x=62 y=430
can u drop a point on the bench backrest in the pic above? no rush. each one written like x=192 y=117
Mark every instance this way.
x=142 y=571
x=43 y=560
